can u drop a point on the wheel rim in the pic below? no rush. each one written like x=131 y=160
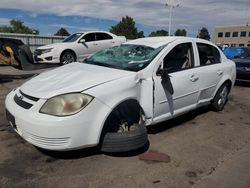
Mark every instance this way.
x=223 y=96
x=68 y=58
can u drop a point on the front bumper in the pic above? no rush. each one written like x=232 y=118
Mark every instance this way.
x=57 y=133
x=49 y=57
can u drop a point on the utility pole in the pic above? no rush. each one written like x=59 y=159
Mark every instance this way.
x=171 y=5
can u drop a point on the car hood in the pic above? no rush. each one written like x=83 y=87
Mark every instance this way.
x=54 y=45
x=75 y=77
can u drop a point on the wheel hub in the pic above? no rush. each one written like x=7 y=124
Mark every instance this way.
x=223 y=96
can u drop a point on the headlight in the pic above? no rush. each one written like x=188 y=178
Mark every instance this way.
x=46 y=50
x=65 y=105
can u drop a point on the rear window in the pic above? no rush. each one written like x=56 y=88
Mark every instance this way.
x=90 y=37
x=103 y=36
x=208 y=54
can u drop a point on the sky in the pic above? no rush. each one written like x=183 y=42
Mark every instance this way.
x=83 y=15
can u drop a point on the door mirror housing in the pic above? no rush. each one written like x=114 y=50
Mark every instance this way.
x=163 y=73
x=165 y=80
x=82 y=41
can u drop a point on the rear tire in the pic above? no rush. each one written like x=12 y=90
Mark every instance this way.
x=67 y=57
x=220 y=98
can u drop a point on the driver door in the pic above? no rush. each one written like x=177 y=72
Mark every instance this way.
x=86 y=48
x=179 y=63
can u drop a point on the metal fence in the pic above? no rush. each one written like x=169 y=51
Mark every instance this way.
x=33 y=41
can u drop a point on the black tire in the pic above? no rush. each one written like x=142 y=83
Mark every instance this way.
x=220 y=98
x=67 y=57
x=124 y=141
x=124 y=129
x=28 y=53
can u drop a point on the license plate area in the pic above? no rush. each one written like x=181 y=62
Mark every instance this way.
x=11 y=119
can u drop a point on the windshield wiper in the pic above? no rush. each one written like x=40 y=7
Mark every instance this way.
x=97 y=63
x=102 y=64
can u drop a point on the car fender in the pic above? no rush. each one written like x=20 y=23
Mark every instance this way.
x=229 y=75
x=117 y=91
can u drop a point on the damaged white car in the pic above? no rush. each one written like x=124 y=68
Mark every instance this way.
x=110 y=98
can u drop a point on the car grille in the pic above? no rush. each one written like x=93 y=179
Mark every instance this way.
x=29 y=97
x=19 y=100
x=43 y=141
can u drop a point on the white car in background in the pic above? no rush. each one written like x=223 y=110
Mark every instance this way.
x=110 y=98
x=77 y=47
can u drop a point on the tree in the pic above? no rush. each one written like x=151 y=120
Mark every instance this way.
x=126 y=27
x=17 y=26
x=180 y=32
x=62 y=32
x=5 y=29
x=141 y=34
x=158 y=33
x=204 y=34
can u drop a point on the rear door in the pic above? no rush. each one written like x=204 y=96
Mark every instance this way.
x=103 y=41
x=209 y=70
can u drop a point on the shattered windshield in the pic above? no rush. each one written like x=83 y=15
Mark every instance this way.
x=73 y=37
x=126 y=57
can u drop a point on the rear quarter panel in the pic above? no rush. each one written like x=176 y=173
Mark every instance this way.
x=229 y=73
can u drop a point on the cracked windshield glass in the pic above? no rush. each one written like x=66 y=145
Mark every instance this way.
x=125 y=57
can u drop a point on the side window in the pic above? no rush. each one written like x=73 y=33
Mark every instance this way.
x=179 y=58
x=89 y=37
x=103 y=36
x=208 y=54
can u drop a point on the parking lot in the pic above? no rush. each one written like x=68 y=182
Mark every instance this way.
x=206 y=149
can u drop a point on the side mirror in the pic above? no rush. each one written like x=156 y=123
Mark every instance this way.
x=82 y=41
x=163 y=73
x=165 y=80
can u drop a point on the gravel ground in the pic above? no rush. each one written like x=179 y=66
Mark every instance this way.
x=206 y=149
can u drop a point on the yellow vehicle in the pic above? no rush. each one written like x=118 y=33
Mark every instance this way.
x=9 y=52
x=14 y=52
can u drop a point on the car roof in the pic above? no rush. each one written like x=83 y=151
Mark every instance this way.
x=93 y=31
x=154 y=42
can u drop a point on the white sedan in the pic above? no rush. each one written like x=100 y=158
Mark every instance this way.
x=111 y=97
x=77 y=47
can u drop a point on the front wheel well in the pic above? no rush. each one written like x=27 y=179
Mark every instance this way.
x=68 y=50
x=124 y=128
x=128 y=110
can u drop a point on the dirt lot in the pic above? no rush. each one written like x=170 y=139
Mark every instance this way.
x=206 y=149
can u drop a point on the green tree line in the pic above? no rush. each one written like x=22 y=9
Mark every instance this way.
x=126 y=27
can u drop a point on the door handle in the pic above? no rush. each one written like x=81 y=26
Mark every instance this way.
x=219 y=72
x=95 y=44
x=194 y=78
x=113 y=42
